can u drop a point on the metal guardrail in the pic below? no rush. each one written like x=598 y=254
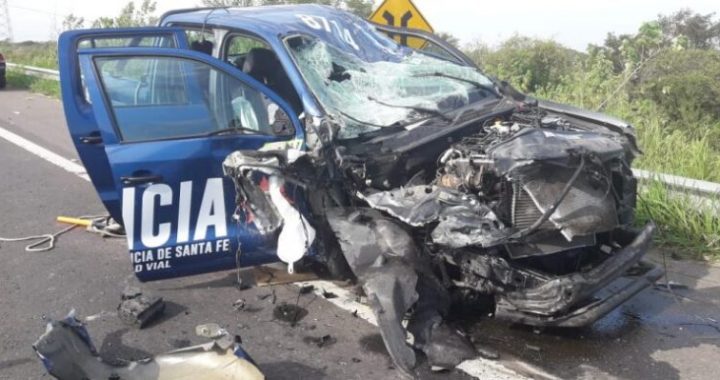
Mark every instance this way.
x=703 y=189
x=36 y=71
x=698 y=188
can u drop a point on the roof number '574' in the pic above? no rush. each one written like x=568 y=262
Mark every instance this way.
x=322 y=23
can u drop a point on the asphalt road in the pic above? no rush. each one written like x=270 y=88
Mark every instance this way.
x=660 y=334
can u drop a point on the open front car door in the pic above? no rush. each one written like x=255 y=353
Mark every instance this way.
x=162 y=120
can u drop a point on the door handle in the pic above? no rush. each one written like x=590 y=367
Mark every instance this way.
x=91 y=139
x=141 y=179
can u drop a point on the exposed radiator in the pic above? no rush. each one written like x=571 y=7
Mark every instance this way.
x=523 y=211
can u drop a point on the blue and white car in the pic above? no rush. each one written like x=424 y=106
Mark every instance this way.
x=233 y=137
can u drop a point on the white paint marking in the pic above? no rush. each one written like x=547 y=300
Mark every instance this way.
x=345 y=299
x=488 y=369
x=45 y=154
x=479 y=368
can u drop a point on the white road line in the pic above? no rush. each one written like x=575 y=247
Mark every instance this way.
x=479 y=368
x=45 y=154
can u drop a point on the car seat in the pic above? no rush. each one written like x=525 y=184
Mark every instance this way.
x=263 y=65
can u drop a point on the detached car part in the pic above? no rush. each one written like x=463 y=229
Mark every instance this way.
x=68 y=354
x=138 y=308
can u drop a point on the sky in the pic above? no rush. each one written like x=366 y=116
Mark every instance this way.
x=573 y=23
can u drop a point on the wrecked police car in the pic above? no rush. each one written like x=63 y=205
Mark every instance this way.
x=235 y=137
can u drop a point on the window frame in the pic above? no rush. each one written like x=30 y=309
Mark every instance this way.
x=153 y=66
x=100 y=36
x=226 y=43
x=107 y=102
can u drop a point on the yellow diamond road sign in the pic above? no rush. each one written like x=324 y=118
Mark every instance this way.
x=402 y=14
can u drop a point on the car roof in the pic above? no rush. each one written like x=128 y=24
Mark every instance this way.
x=263 y=20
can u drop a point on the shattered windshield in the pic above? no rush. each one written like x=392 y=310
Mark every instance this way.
x=397 y=87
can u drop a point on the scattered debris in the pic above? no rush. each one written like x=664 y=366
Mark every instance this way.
x=305 y=289
x=239 y=304
x=242 y=305
x=710 y=325
x=487 y=352
x=263 y=297
x=99 y=315
x=532 y=347
x=269 y=275
x=289 y=313
x=632 y=315
x=210 y=331
x=138 y=308
x=323 y=341
x=328 y=295
x=242 y=284
x=242 y=326
x=67 y=352
x=671 y=285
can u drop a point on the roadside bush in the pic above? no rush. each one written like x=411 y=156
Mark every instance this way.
x=40 y=54
x=685 y=84
x=590 y=84
x=667 y=148
x=529 y=64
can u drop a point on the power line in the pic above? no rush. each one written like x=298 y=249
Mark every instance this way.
x=6 y=32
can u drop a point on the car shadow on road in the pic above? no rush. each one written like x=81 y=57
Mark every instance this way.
x=115 y=352
x=172 y=310
x=7 y=364
x=654 y=335
x=285 y=370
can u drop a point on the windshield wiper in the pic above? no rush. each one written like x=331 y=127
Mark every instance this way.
x=428 y=111
x=477 y=84
x=363 y=122
x=236 y=130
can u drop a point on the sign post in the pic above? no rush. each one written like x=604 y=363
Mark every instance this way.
x=402 y=14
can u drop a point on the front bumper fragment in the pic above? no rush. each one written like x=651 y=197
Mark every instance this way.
x=580 y=299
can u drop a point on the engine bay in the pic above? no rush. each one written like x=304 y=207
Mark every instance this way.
x=527 y=207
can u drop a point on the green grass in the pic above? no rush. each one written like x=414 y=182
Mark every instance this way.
x=674 y=152
x=688 y=148
x=39 y=54
x=684 y=225
x=18 y=80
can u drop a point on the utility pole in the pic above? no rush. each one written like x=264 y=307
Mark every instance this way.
x=6 y=32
